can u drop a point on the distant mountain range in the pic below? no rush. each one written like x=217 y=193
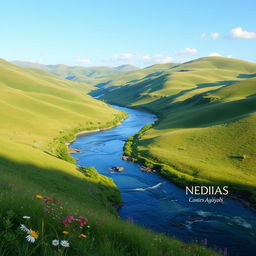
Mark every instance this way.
x=79 y=73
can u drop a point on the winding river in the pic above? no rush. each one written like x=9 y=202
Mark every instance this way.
x=155 y=203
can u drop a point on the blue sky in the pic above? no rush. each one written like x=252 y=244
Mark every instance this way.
x=115 y=32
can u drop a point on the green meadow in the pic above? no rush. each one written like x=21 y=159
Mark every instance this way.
x=39 y=114
x=207 y=121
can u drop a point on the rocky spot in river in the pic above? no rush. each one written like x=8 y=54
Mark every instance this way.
x=126 y=158
x=147 y=169
x=117 y=168
x=73 y=150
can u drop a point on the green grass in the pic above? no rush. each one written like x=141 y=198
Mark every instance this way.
x=39 y=113
x=107 y=234
x=206 y=132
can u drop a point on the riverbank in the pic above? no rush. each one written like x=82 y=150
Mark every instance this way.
x=75 y=150
x=181 y=179
x=59 y=145
x=93 y=130
x=114 y=198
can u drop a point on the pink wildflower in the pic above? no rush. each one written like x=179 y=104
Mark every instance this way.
x=48 y=200
x=82 y=221
x=67 y=220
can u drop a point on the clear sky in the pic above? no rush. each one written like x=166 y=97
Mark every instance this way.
x=115 y=32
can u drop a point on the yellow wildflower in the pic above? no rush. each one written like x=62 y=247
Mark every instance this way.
x=83 y=236
x=65 y=232
x=39 y=197
x=33 y=234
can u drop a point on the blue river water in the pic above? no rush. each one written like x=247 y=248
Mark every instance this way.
x=155 y=203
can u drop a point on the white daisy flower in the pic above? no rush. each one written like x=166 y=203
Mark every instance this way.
x=26 y=217
x=24 y=228
x=32 y=236
x=30 y=239
x=55 y=242
x=65 y=243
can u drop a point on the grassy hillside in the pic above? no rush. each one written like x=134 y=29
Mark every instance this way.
x=38 y=111
x=32 y=97
x=206 y=132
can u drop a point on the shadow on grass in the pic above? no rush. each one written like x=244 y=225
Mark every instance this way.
x=84 y=187
x=184 y=70
x=199 y=111
x=246 y=75
x=152 y=84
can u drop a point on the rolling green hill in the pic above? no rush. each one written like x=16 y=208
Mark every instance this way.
x=132 y=77
x=32 y=97
x=207 y=127
x=39 y=113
